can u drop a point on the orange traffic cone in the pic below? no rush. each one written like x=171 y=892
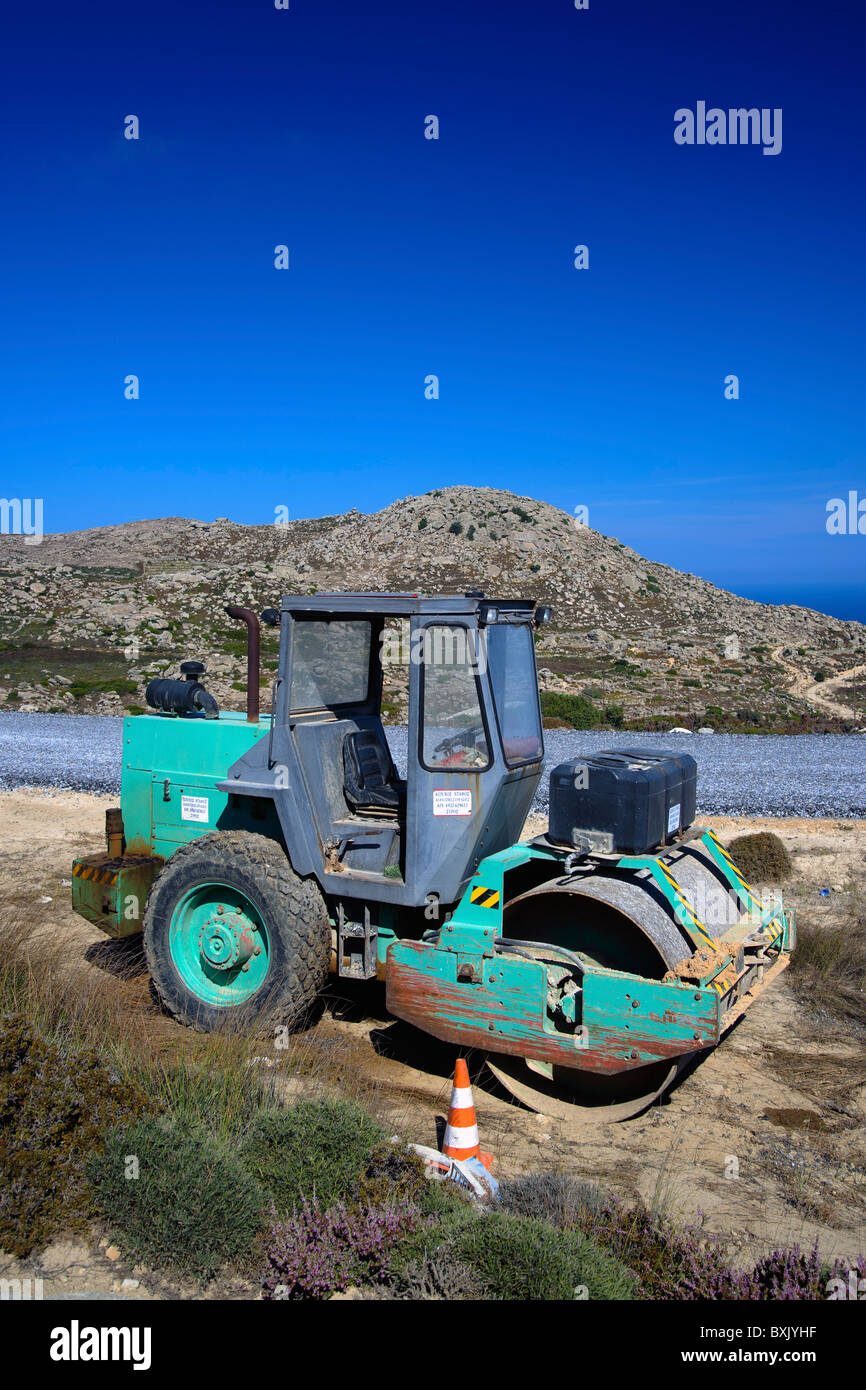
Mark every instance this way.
x=461 y=1132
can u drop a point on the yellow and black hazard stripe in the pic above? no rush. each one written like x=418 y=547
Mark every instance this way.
x=484 y=897
x=94 y=874
x=731 y=865
x=719 y=982
x=693 y=917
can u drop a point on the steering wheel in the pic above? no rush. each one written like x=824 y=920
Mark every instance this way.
x=469 y=738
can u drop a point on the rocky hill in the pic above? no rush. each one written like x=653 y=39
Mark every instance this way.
x=89 y=616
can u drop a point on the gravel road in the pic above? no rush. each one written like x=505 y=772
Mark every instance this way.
x=822 y=775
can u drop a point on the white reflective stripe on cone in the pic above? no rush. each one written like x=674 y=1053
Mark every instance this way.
x=461 y=1137
x=461 y=1097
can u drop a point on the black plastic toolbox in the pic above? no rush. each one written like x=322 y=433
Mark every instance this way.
x=610 y=803
x=673 y=782
x=688 y=777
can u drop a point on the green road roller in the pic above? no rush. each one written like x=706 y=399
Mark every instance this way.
x=257 y=853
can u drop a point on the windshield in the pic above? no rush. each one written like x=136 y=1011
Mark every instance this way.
x=511 y=660
x=330 y=663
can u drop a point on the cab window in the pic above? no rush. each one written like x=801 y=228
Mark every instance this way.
x=510 y=649
x=330 y=663
x=453 y=733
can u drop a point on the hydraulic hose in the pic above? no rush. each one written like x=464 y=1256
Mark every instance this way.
x=523 y=948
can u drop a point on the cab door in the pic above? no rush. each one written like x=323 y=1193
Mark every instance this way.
x=459 y=803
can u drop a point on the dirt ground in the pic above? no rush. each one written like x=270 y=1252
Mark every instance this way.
x=763 y=1141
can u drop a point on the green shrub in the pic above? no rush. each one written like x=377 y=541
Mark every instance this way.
x=667 y=1261
x=559 y=1198
x=81 y=687
x=664 y=1261
x=447 y=1211
x=521 y=1258
x=575 y=710
x=761 y=857
x=393 y=1172
x=55 y=1106
x=318 y=1149
x=456 y=528
x=190 y=1207
x=440 y=1277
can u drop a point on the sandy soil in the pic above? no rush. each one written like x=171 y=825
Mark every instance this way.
x=763 y=1141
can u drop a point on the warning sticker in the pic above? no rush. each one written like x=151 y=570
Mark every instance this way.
x=456 y=803
x=193 y=808
x=674 y=819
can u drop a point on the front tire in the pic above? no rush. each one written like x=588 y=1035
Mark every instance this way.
x=231 y=934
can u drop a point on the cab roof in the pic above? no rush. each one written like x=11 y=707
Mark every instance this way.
x=400 y=605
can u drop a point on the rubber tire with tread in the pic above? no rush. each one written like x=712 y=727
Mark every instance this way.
x=292 y=909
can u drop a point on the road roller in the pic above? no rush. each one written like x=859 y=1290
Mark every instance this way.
x=589 y=965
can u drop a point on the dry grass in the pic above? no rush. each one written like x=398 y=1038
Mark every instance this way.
x=101 y=999
x=829 y=1080
x=828 y=968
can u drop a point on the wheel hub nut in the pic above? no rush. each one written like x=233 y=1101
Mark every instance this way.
x=226 y=940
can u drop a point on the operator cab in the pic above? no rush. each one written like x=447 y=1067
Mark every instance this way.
x=469 y=765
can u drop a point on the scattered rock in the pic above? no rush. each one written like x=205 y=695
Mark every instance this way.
x=150 y=593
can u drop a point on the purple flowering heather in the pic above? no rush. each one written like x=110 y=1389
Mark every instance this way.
x=316 y=1253
x=673 y=1262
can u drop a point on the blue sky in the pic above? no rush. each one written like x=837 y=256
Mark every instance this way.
x=304 y=388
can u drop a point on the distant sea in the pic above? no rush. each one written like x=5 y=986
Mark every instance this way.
x=846 y=601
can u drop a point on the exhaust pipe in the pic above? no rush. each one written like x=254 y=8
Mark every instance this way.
x=251 y=619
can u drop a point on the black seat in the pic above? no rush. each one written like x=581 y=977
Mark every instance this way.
x=370 y=778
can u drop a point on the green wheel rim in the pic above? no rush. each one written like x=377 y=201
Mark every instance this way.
x=219 y=944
